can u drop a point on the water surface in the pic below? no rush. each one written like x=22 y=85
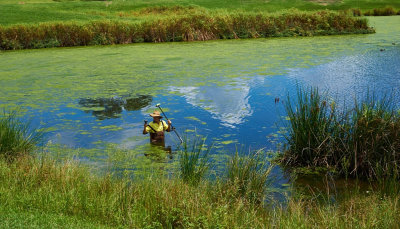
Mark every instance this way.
x=87 y=98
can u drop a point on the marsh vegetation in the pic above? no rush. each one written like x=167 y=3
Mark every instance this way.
x=199 y=25
x=66 y=193
x=359 y=140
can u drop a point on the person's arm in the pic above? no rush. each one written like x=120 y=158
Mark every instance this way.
x=144 y=128
x=169 y=126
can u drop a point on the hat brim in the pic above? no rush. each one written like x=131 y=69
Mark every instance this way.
x=155 y=115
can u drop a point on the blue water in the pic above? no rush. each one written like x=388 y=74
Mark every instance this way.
x=88 y=97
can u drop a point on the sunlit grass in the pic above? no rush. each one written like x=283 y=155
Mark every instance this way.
x=67 y=194
x=250 y=176
x=36 y=11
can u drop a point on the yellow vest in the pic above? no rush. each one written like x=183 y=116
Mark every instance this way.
x=156 y=127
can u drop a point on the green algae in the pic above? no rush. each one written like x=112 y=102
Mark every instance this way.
x=193 y=118
x=92 y=108
x=227 y=142
x=48 y=129
x=121 y=161
x=111 y=128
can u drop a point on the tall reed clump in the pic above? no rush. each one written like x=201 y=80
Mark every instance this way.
x=194 y=160
x=374 y=138
x=198 y=25
x=311 y=125
x=248 y=177
x=363 y=141
x=387 y=11
x=16 y=138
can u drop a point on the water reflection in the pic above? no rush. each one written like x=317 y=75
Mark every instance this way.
x=105 y=108
x=354 y=75
x=229 y=103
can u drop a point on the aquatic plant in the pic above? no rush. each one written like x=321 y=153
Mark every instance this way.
x=16 y=138
x=198 y=25
x=362 y=141
x=249 y=176
x=374 y=138
x=311 y=130
x=194 y=160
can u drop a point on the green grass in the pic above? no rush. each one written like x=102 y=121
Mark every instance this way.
x=34 y=11
x=194 y=160
x=251 y=174
x=17 y=218
x=44 y=193
x=16 y=138
x=362 y=141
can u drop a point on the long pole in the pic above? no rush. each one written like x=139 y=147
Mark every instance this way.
x=173 y=128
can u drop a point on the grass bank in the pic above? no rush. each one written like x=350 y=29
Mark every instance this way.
x=362 y=140
x=66 y=195
x=198 y=26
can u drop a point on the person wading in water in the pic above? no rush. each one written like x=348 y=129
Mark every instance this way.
x=156 y=129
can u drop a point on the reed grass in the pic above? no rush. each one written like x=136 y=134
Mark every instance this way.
x=66 y=194
x=387 y=11
x=195 y=26
x=194 y=160
x=311 y=128
x=361 y=142
x=16 y=137
x=250 y=175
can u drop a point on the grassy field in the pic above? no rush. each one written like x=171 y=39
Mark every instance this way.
x=34 y=11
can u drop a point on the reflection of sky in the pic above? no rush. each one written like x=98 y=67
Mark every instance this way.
x=229 y=104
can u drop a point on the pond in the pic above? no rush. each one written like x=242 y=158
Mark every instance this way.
x=92 y=101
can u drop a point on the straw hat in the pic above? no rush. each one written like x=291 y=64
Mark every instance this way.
x=156 y=114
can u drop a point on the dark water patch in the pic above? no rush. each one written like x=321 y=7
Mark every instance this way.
x=104 y=108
